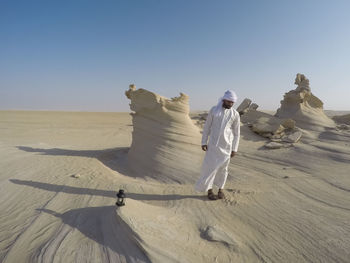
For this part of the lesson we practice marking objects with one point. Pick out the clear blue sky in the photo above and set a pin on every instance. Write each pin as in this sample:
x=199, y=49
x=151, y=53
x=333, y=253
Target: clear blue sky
x=82, y=55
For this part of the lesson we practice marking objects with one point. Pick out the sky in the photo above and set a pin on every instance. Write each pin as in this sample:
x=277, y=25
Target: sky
x=82, y=55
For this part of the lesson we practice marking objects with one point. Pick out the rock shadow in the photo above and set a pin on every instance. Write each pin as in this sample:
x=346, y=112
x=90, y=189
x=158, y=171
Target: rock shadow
x=114, y=158
x=104, y=226
x=106, y=193
x=334, y=135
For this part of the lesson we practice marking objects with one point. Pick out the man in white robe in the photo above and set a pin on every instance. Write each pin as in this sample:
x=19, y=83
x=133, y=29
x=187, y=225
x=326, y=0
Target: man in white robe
x=223, y=129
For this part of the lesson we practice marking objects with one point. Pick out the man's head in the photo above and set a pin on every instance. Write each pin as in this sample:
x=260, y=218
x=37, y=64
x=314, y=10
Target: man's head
x=229, y=99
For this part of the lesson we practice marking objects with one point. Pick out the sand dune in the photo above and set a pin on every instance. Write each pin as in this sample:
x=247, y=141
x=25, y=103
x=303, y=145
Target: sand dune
x=286, y=205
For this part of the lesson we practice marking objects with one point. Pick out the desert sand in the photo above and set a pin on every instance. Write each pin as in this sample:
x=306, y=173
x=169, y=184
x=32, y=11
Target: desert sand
x=60, y=172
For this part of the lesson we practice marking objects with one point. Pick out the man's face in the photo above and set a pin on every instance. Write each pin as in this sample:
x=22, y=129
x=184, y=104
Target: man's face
x=227, y=104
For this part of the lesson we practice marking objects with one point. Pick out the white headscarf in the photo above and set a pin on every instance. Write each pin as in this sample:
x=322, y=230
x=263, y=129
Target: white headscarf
x=229, y=95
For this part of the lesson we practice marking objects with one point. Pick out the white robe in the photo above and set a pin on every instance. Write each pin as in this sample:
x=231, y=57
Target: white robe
x=223, y=130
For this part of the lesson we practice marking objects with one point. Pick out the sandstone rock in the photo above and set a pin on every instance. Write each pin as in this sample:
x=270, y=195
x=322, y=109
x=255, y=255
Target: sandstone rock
x=302, y=82
x=165, y=141
x=264, y=125
x=253, y=106
x=277, y=145
x=75, y=175
x=276, y=136
x=303, y=107
x=289, y=124
x=276, y=140
x=342, y=119
x=244, y=106
x=251, y=116
x=216, y=234
x=293, y=137
x=274, y=145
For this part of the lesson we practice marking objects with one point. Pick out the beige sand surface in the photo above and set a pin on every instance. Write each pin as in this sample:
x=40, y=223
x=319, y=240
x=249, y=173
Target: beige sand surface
x=285, y=205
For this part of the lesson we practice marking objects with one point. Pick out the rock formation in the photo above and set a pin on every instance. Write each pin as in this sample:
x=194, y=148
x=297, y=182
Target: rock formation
x=303, y=107
x=342, y=119
x=165, y=141
x=299, y=109
x=246, y=106
x=282, y=132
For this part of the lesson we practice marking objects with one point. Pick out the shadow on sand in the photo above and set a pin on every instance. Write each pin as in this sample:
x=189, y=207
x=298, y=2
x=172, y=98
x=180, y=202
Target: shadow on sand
x=106, y=193
x=104, y=226
x=101, y=224
x=114, y=158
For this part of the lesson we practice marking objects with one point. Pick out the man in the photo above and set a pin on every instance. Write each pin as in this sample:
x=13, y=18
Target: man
x=223, y=129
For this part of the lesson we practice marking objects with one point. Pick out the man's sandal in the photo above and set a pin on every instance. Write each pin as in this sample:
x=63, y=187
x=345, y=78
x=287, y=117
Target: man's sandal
x=212, y=196
x=221, y=195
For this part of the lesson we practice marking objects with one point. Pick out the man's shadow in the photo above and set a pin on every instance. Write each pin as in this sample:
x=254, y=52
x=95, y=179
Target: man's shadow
x=114, y=158
x=104, y=226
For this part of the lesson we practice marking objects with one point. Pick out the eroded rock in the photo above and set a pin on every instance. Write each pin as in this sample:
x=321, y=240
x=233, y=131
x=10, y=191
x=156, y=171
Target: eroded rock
x=288, y=124
x=342, y=119
x=293, y=137
x=303, y=107
x=264, y=125
x=165, y=141
x=216, y=234
x=253, y=106
x=244, y=106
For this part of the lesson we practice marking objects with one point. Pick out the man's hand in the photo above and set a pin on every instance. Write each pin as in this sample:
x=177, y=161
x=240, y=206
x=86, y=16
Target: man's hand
x=233, y=154
x=205, y=147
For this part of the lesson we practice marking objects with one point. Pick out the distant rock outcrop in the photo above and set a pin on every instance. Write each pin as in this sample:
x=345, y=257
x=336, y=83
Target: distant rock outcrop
x=299, y=109
x=281, y=133
x=246, y=105
x=165, y=142
x=342, y=119
x=303, y=107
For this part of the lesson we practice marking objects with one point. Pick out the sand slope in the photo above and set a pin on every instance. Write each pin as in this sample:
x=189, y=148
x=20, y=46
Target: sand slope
x=286, y=205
